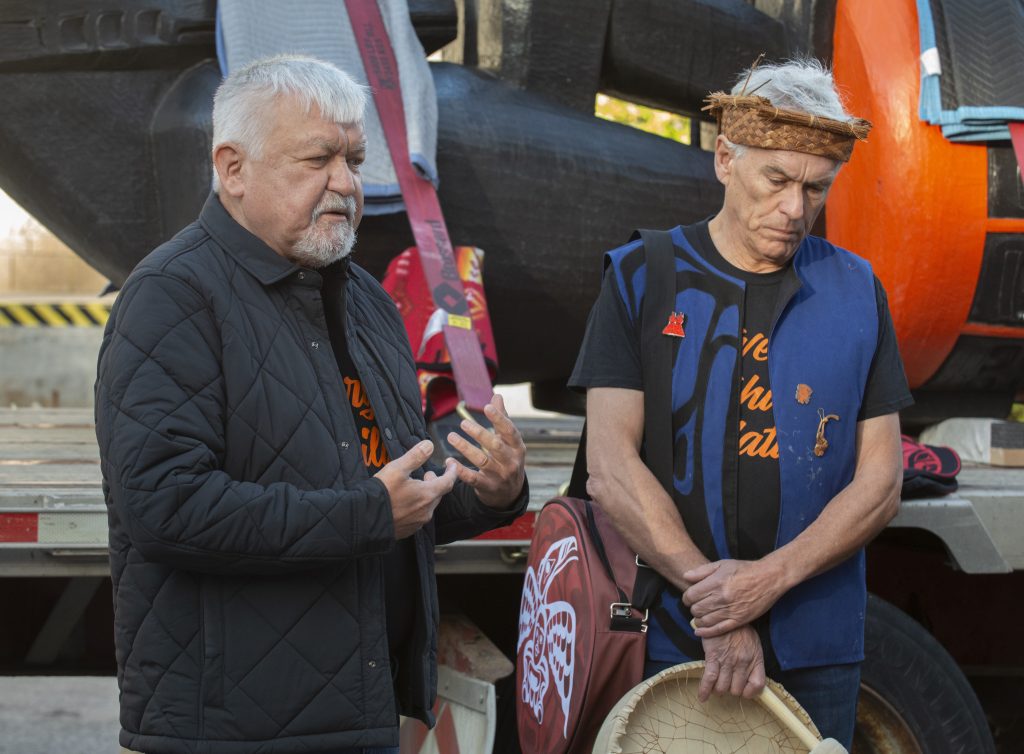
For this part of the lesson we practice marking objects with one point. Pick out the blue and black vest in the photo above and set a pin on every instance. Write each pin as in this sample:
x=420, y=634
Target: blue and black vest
x=824, y=336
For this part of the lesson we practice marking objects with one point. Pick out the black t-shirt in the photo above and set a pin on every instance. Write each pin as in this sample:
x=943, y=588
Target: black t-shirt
x=610, y=357
x=751, y=526
x=400, y=563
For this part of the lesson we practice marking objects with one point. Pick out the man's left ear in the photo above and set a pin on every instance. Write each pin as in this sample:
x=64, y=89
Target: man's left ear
x=724, y=160
x=227, y=161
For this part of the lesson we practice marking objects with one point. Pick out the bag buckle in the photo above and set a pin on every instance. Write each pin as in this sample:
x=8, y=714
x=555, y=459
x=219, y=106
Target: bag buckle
x=621, y=615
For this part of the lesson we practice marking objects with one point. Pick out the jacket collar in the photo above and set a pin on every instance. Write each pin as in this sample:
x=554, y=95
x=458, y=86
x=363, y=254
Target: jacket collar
x=262, y=262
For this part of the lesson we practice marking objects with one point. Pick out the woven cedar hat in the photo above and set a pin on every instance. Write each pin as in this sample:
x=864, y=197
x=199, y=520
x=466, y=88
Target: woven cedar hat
x=754, y=121
x=663, y=714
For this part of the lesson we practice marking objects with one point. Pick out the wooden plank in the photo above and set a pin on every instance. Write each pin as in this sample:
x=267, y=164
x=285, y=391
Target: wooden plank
x=51, y=498
x=990, y=477
x=51, y=475
x=46, y=450
x=13, y=454
x=546, y=483
x=52, y=416
x=14, y=435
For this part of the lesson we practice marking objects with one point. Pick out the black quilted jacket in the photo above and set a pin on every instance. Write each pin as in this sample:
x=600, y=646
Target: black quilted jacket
x=245, y=533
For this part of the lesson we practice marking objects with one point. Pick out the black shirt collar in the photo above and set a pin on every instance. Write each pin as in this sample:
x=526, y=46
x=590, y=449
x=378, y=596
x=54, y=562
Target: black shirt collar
x=701, y=239
x=262, y=262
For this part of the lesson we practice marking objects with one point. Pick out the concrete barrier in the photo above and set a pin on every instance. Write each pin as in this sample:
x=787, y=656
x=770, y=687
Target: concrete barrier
x=48, y=366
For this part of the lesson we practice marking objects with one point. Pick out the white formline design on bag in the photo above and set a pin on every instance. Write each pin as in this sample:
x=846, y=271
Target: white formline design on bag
x=547, y=633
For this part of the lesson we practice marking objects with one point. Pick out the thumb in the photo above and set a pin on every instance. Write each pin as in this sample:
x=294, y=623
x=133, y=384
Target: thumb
x=442, y=485
x=414, y=457
x=451, y=473
x=700, y=572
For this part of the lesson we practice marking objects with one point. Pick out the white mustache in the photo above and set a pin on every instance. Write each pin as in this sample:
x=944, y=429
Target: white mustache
x=336, y=203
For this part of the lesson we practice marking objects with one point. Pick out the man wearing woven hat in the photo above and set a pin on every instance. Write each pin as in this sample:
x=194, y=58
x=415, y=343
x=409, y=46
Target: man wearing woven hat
x=785, y=387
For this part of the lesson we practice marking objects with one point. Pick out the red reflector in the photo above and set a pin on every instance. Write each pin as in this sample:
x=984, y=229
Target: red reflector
x=19, y=527
x=521, y=528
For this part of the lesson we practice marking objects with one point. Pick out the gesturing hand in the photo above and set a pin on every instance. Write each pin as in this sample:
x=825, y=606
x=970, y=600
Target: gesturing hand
x=733, y=664
x=727, y=594
x=500, y=458
x=413, y=501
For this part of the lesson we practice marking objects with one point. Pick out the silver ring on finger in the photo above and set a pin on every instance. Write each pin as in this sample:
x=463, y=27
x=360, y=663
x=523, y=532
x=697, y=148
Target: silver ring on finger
x=487, y=460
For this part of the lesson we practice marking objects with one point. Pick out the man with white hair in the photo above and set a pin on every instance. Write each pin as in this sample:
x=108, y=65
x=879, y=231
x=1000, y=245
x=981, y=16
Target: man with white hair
x=785, y=386
x=273, y=512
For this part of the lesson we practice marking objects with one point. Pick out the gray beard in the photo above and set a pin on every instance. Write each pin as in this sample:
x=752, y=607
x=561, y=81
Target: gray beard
x=319, y=248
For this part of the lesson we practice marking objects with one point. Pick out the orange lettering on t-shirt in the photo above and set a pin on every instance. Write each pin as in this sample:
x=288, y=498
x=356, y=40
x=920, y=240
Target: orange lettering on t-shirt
x=748, y=443
x=756, y=397
x=757, y=346
x=375, y=453
x=758, y=444
x=354, y=391
x=769, y=445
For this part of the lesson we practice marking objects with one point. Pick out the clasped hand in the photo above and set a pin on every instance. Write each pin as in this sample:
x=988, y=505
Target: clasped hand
x=725, y=597
x=733, y=664
x=728, y=594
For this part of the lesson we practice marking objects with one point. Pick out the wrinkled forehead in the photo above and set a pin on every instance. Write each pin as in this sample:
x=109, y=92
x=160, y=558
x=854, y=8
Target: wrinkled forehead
x=807, y=167
x=292, y=125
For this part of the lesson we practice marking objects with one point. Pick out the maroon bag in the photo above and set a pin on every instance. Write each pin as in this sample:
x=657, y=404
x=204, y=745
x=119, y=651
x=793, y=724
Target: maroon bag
x=581, y=645
x=582, y=618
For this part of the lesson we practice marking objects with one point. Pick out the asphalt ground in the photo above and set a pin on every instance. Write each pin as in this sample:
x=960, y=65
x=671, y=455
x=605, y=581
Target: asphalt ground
x=58, y=715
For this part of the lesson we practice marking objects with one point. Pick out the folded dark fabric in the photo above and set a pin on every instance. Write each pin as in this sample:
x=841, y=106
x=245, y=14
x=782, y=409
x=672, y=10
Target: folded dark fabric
x=928, y=470
x=967, y=85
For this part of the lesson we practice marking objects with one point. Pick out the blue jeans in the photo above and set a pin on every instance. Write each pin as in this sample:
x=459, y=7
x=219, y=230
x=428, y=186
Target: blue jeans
x=828, y=694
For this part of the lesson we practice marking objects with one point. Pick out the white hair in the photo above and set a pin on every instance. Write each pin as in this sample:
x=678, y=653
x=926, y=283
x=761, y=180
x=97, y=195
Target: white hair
x=239, y=106
x=803, y=84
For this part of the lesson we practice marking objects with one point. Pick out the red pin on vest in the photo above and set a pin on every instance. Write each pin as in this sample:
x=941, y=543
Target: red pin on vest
x=675, y=325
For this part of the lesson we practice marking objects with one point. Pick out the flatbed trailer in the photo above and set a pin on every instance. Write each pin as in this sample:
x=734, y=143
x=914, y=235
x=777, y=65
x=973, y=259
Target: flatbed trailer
x=53, y=520
x=941, y=559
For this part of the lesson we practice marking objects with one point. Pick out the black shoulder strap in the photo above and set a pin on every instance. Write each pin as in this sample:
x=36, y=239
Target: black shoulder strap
x=656, y=352
x=578, y=481
x=619, y=620
x=656, y=362
x=656, y=359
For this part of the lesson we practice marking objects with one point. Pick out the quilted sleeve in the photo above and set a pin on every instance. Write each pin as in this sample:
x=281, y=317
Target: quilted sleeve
x=159, y=422
x=460, y=515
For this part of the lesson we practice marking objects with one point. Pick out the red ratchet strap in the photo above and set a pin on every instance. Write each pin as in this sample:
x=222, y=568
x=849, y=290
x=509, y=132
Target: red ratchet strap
x=422, y=207
x=1017, y=137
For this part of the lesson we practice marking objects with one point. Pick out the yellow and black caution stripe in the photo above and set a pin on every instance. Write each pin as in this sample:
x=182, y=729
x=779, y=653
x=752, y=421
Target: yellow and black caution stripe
x=93, y=314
